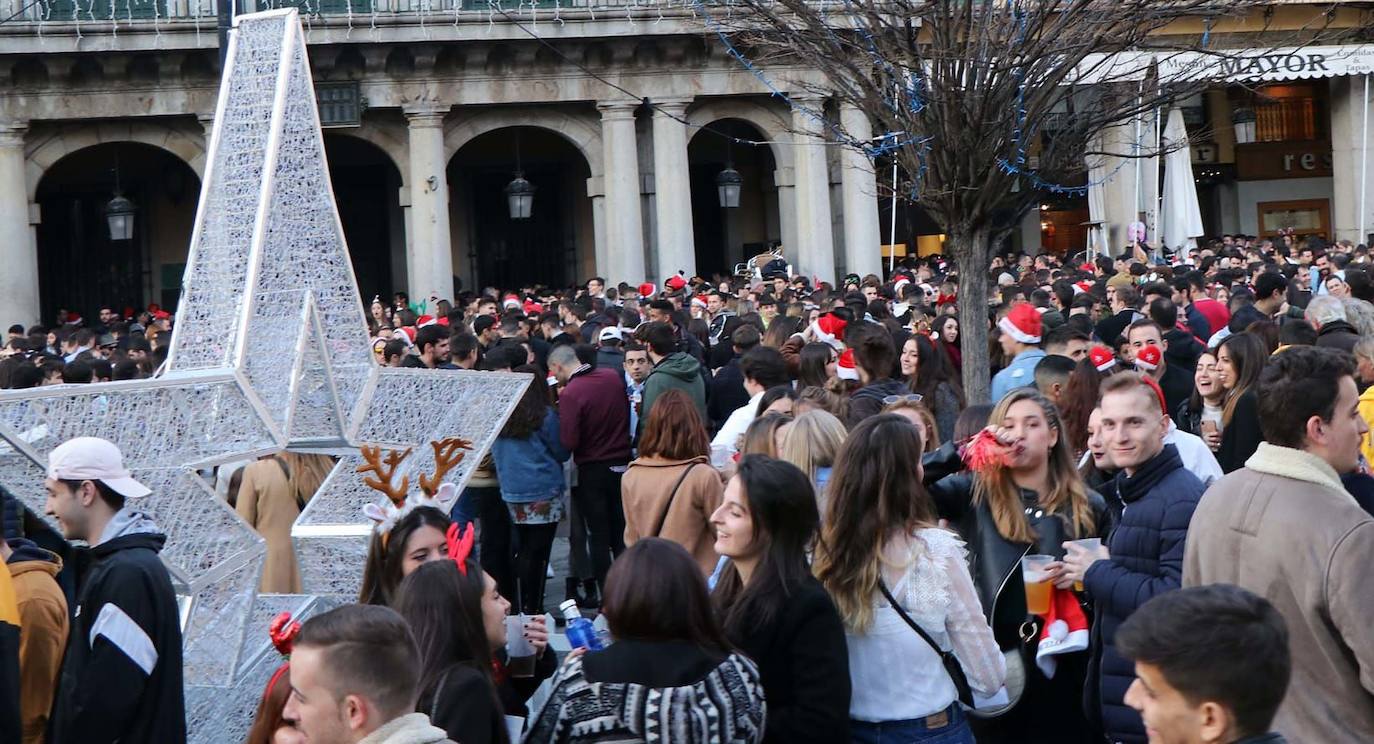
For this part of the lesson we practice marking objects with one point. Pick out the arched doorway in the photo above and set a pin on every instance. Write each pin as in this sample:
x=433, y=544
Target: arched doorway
x=367, y=191
x=555, y=245
x=79, y=267
x=725, y=237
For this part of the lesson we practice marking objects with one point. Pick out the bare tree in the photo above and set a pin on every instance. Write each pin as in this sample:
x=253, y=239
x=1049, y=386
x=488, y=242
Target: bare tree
x=987, y=105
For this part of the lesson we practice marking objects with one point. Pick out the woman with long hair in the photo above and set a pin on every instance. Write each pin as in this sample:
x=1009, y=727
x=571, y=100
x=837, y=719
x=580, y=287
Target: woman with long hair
x=1029, y=500
x=269, y=727
x=913, y=409
x=417, y=538
x=771, y=607
x=929, y=375
x=945, y=333
x=671, y=669
x=880, y=545
x=459, y=619
x=1201, y=414
x=272, y=493
x=1240, y=360
x=671, y=490
x=761, y=438
x=1080, y=395
x=817, y=365
x=529, y=459
x=822, y=399
x=812, y=443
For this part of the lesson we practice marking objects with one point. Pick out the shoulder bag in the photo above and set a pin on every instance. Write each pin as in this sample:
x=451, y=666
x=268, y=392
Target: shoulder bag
x=953, y=668
x=671, y=495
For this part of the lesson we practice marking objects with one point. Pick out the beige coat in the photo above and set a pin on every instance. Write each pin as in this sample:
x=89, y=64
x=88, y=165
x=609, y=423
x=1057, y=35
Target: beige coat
x=267, y=504
x=645, y=491
x=1284, y=528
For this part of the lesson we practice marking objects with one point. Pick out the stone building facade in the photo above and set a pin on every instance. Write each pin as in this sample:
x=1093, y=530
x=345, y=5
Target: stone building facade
x=439, y=109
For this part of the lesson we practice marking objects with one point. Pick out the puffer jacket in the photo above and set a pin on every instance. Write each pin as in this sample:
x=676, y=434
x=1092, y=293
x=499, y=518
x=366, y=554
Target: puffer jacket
x=868, y=400
x=1146, y=550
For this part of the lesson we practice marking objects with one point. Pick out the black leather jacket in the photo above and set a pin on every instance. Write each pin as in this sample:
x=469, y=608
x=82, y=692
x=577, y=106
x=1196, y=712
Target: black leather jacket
x=994, y=561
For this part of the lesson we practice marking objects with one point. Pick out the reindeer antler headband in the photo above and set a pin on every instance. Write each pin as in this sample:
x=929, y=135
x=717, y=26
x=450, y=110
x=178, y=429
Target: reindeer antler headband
x=448, y=453
x=283, y=632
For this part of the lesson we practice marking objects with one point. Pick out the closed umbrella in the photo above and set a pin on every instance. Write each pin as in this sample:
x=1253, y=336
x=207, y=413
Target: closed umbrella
x=1182, y=217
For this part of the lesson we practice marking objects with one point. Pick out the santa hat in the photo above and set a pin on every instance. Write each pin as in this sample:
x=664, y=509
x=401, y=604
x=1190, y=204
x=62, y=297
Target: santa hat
x=1089, y=268
x=1147, y=359
x=845, y=368
x=902, y=281
x=533, y=308
x=675, y=282
x=828, y=329
x=1102, y=358
x=407, y=334
x=1083, y=286
x=424, y=320
x=1065, y=631
x=159, y=315
x=647, y=289
x=510, y=302
x=699, y=301
x=1022, y=323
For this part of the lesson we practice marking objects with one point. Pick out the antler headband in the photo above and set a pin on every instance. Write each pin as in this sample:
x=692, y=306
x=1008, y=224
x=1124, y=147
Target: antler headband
x=460, y=545
x=382, y=472
x=283, y=632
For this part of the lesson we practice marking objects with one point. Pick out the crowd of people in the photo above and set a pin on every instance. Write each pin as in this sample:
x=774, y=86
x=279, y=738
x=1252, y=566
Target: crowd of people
x=794, y=523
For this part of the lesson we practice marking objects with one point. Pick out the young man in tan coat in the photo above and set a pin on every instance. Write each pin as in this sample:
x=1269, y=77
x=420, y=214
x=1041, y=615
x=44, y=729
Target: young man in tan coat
x=1284, y=528
x=43, y=630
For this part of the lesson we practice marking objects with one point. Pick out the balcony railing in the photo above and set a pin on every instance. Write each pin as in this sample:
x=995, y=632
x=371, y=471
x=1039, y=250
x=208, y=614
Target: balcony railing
x=95, y=11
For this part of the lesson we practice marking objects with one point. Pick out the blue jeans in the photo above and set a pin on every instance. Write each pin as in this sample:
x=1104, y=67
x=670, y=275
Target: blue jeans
x=955, y=731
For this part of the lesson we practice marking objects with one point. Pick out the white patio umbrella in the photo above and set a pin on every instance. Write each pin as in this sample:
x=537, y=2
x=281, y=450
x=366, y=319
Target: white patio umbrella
x=1182, y=219
x=1097, y=201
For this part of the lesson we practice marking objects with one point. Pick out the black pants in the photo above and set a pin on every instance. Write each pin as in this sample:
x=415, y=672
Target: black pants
x=534, y=543
x=494, y=531
x=597, y=496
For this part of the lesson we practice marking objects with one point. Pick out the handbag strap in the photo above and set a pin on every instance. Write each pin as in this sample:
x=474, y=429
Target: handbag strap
x=882, y=585
x=673, y=494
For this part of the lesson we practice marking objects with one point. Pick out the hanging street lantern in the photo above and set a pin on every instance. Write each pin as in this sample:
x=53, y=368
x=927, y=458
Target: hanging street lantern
x=119, y=213
x=520, y=197
x=728, y=184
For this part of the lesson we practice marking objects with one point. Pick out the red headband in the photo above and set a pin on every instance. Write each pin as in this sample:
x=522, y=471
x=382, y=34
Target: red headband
x=283, y=632
x=460, y=545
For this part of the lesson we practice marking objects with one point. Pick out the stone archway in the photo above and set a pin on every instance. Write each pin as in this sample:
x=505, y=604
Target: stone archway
x=556, y=244
x=80, y=266
x=767, y=120
x=367, y=185
x=581, y=131
x=726, y=237
x=183, y=139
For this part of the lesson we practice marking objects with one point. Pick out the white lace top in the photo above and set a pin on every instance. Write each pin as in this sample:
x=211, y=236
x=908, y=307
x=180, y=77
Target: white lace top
x=894, y=673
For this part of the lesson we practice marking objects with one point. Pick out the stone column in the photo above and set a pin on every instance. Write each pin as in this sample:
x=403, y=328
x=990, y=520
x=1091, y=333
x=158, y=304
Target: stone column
x=18, y=243
x=673, y=189
x=429, y=252
x=815, y=254
x=596, y=191
x=859, y=190
x=1350, y=145
x=624, y=221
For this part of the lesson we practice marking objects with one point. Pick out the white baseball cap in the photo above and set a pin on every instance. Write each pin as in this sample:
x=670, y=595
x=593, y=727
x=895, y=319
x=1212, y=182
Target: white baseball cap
x=92, y=458
x=610, y=332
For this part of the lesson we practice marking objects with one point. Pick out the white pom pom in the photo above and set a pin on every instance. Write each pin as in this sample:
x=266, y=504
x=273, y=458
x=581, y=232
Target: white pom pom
x=1059, y=630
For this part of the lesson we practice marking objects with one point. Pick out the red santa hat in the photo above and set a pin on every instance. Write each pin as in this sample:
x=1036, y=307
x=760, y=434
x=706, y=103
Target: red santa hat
x=647, y=289
x=1083, y=286
x=408, y=334
x=1022, y=323
x=533, y=308
x=424, y=320
x=675, y=282
x=1148, y=358
x=1088, y=267
x=845, y=368
x=902, y=281
x=1065, y=631
x=510, y=301
x=828, y=329
x=699, y=301
x=1102, y=358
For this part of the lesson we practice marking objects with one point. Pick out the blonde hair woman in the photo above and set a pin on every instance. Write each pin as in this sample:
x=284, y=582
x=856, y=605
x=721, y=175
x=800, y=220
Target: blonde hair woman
x=271, y=495
x=1029, y=499
x=812, y=443
x=913, y=408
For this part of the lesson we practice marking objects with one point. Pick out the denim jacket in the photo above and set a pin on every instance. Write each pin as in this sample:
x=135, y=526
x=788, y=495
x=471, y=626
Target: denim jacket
x=531, y=469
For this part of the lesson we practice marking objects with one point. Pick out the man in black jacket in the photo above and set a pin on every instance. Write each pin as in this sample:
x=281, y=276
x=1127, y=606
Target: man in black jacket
x=121, y=680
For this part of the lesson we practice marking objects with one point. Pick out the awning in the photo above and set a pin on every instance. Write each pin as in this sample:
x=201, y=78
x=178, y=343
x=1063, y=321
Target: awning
x=1284, y=63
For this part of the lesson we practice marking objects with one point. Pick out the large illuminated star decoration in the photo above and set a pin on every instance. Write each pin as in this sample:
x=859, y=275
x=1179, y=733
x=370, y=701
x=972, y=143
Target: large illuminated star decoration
x=270, y=352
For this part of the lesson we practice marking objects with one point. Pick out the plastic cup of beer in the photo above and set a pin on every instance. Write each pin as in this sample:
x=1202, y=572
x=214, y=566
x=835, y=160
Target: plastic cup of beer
x=519, y=650
x=1035, y=572
x=1090, y=545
